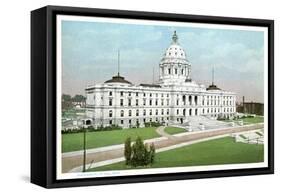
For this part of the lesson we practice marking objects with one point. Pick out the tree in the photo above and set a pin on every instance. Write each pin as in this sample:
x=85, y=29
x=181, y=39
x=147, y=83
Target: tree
x=128, y=150
x=139, y=154
x=66, y=97
x=66, y=101
x=152, y=153
x=78, y=98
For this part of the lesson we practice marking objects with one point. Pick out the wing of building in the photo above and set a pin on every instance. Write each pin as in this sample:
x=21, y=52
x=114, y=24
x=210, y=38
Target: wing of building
x=176, y=98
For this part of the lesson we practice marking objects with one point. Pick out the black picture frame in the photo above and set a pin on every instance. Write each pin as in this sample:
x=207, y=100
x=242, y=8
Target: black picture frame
x=43, y=95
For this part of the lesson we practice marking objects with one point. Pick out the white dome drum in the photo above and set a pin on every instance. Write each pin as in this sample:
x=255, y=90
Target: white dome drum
x=174, y=66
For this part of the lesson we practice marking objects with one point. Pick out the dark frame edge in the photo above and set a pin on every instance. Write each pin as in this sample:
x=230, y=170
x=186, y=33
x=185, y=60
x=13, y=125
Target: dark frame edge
x=38, y=170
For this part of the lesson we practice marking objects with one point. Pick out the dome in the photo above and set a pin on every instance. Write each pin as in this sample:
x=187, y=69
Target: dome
x=118, y=79
x=175, y=50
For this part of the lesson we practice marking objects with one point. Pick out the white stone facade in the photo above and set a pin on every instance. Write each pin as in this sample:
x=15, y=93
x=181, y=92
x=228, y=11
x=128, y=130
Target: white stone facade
x=173, y=100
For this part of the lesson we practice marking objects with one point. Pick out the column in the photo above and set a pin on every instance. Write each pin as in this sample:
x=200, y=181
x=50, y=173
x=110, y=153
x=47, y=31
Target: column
x=192, y=100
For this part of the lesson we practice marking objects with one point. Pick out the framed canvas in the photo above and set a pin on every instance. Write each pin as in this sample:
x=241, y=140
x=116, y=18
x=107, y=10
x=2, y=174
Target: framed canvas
x=126, y=96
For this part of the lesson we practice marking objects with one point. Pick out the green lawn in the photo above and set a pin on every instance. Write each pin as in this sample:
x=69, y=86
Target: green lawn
x=250, y=120
x=257, y=119
x=74, y=141
x=219, y=151
x=174, y=130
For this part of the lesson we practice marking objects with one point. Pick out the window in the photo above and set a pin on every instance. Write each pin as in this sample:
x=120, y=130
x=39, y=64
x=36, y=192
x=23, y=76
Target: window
x=129, y=102
x=110, y=102
x=162, y=112
x=110, y=113
x=150, y=112
x=110, y=122
x=121, y=93
x=122, y=122
x=137, y=94
x=156, y=102
x=144, y=102
x=162, y=102
x=110, y=93
x=178, y=111
x=143, y=94
x=130, y=113
x=150, y=95
x=137, y=112
x=167, y=111
x=167, y=102
x=177, y=102
x=169, y=71
x=122, y=113
x=144, y=112
x=137, y=102
x=121, y=102
x=182, y=70
x=156, y=112
x=150, y=102
x=176, y=71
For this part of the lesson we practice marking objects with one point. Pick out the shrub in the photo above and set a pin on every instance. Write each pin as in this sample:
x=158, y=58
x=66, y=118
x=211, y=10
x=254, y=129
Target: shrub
x=128, y=150
x=152, y=153
x=153, y=124
x=138, y=154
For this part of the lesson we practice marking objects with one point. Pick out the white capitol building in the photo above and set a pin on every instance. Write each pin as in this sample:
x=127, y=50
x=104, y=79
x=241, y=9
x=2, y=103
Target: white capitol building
x=175, y=99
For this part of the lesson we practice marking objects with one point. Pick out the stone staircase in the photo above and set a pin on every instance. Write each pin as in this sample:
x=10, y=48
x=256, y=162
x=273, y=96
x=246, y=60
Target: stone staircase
x=195, y=123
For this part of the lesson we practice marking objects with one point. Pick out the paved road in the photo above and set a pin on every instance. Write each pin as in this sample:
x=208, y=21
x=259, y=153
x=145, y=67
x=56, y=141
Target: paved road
x=71, y=162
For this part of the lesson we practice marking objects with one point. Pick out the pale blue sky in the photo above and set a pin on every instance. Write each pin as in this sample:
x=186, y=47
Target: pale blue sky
x=89, y=55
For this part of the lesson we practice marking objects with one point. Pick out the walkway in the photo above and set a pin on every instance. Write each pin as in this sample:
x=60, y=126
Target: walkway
x=73, y=162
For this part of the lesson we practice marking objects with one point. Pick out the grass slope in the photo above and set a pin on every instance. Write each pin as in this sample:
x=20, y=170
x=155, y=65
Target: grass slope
x=74, y=141
x=174, y=130
x=257, y=119
x=219, y=151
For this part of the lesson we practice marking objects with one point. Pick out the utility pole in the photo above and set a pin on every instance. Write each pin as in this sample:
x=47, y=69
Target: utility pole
x=213, y=75
x=84, y=147
x=118, y=63
x=153, y=76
